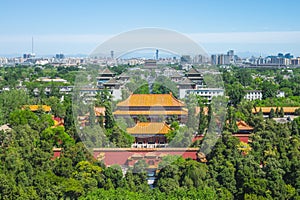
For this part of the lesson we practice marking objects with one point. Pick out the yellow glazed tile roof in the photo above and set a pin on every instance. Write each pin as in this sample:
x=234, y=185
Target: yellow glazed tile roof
x=150, y=112
x=36, y=107
x=149, y=128
x=243, y=125
x=149, y=100
x=268, y=109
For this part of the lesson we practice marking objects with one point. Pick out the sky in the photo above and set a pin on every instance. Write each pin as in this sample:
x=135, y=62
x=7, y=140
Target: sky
x=78, y=27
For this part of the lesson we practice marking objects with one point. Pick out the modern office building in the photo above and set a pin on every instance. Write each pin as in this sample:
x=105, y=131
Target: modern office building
x=194, y=84
x=257, y=95
x=206, y=93
x=214, y=59
x=59, y=56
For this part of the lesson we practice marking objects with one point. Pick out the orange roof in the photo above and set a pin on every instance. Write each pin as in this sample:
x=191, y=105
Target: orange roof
x=37, y=107
x=151, y=112
x=268, y=109
x=149, y=100
x=243, y=126
x=149, y=128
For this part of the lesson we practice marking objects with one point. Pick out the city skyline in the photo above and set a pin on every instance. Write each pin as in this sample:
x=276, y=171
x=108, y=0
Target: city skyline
x=266, y=27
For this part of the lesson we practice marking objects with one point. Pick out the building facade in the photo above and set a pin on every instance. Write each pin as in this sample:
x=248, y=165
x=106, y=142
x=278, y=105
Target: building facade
x=149, y=134
x=252, y=95
x=194, y=84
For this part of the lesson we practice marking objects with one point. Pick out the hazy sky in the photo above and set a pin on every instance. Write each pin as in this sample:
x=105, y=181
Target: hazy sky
x=262, y=26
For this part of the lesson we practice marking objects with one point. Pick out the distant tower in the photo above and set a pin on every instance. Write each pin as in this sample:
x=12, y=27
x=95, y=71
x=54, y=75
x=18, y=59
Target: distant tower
x=32, y=45
x=32, y=48
x=112, y=54
x=156, y=54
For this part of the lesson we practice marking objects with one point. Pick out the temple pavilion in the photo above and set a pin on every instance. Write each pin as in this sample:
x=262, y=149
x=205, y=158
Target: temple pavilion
x=149, y=134
x=153, y=107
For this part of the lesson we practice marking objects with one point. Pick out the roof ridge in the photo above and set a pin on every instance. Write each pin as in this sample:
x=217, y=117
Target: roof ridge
x=151, y=100
x=112, y=80
x=176, y=74
x=149, y=127
x=124, y=74
x=186, y=81
x=105, y=71
x=192, y=70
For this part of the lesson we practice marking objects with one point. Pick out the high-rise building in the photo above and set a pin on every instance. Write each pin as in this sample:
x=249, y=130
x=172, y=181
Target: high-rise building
x=261, y=61
x=214, y=59
x=295, y=61
x=223, y=59
x=198, y=59
x=112, y=55
x=185, y=59
x=288, y=56
x=230, y=53
x=280, y=55
x=26, y=55
x=59, y=56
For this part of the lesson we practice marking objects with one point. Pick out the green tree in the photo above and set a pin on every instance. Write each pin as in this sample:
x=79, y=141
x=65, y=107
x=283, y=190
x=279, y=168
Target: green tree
x=244, y=77
x=236, y=93
x=120, y=138
x=295, y=128
x=272, y=114
x=140, y=167
x=202, y=121
x=57, y=108
x=297, y=112
x=269, y=90
x=277, y=112
x=92, y=117
x=63, y=167
x=57, y=136
x=281, y=112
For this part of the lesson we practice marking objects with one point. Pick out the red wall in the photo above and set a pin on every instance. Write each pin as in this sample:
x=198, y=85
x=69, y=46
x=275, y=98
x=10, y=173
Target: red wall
x=120, y=157
x=244, y=138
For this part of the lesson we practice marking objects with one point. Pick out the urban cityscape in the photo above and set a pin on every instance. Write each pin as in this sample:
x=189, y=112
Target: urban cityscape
x=228, y=58
x=149, y=100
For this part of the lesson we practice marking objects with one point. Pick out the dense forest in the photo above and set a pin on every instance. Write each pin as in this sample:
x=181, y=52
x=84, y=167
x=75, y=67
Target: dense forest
x=268, y=167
